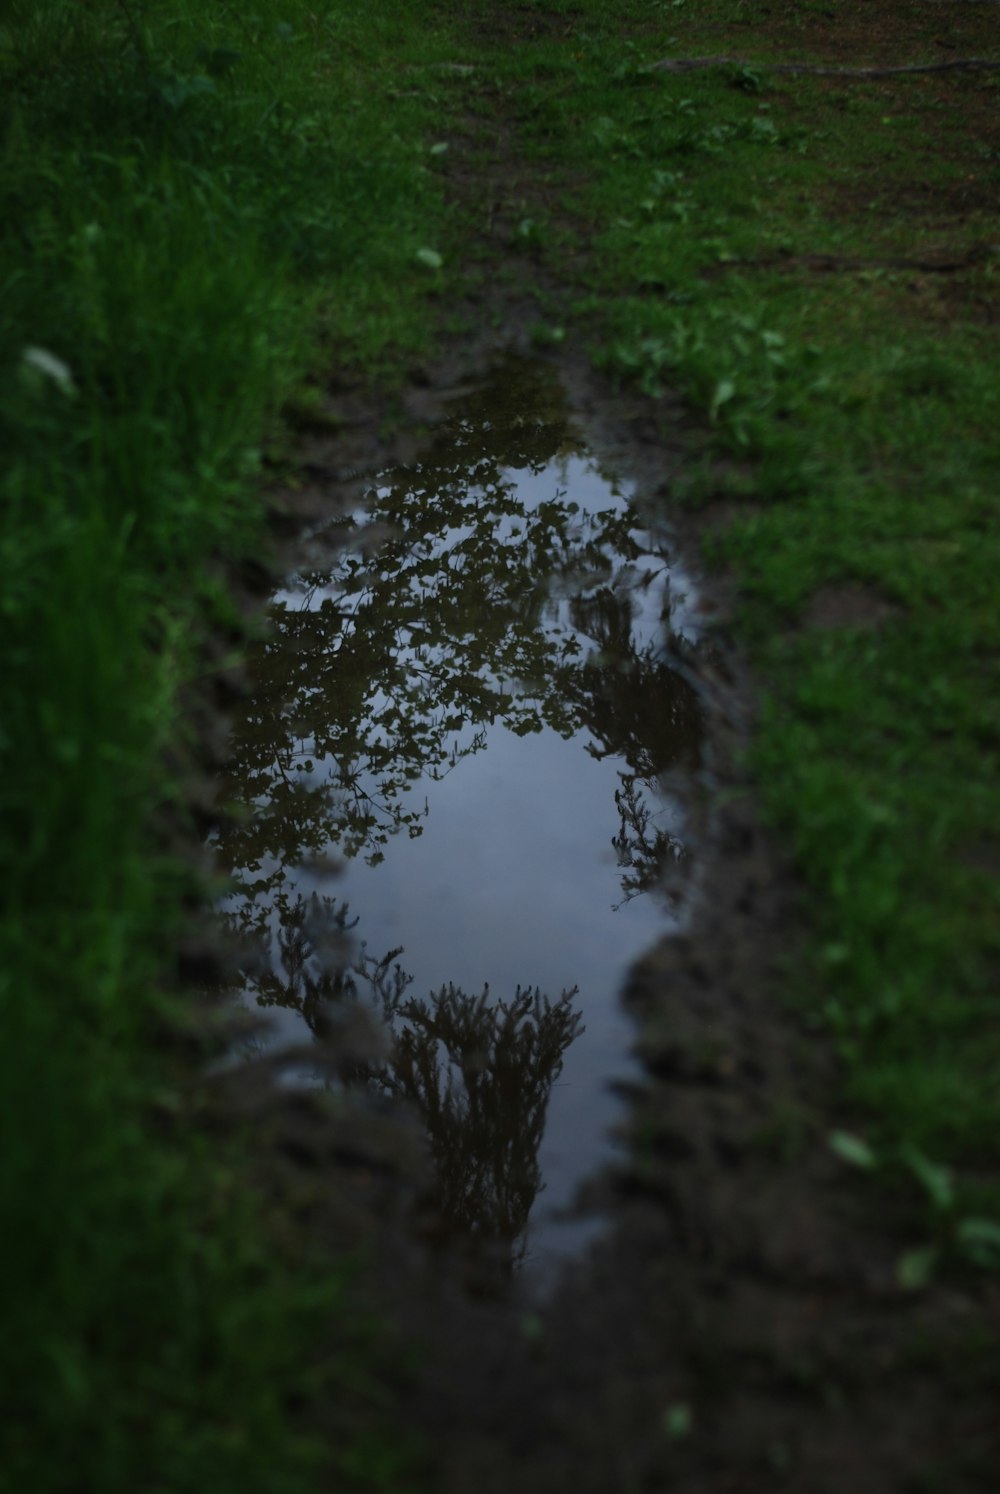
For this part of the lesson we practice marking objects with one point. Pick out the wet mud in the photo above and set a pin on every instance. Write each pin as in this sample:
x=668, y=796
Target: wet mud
x=448, y=811
x=736, y=1322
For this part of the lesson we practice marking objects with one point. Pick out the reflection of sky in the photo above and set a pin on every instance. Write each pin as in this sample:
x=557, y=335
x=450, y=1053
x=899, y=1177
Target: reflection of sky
x=514, y=879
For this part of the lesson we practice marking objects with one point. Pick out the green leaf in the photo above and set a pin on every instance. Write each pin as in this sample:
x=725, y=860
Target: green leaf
x=678, y=1420
x=916, y=1267
x=979, y=1241
x=852, y=1150
x=935, y=1178
x=724, y=391
x=40, y=364
x=431, y=258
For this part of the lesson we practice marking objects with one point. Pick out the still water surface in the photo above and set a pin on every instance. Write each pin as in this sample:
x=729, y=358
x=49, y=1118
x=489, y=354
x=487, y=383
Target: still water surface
x=471, y=711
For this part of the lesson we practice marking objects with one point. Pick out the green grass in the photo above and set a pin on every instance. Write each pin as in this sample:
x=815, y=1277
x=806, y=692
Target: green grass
x=195, y=211
x=856, y=414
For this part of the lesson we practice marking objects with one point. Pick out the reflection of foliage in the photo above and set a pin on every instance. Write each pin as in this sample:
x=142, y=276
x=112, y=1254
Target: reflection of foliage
x=479, y=1072
x=642, y=849
x=315, y=966
x=476, y=608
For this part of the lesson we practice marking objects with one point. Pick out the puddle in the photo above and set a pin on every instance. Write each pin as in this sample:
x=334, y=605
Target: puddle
x=451, y=761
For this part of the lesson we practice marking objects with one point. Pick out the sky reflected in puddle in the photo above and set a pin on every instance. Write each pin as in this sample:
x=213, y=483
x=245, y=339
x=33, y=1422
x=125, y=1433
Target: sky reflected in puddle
x=472, y=716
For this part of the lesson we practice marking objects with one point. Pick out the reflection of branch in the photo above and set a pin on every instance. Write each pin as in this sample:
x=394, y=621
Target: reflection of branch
x=281, y=768
x=457, y=755
x=640, y=852
x=363, y=820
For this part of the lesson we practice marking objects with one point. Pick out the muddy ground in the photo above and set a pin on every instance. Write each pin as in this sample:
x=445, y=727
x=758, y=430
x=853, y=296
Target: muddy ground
x=739, y=1325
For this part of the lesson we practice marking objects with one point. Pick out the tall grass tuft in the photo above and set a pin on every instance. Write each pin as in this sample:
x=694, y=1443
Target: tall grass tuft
x=186, y=193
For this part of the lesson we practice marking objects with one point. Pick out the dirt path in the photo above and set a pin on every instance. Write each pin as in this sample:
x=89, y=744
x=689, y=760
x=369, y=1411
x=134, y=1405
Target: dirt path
x=740, y=1325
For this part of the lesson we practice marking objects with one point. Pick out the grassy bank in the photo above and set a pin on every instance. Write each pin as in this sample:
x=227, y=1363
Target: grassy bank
x=811, y=261
x=196, y=208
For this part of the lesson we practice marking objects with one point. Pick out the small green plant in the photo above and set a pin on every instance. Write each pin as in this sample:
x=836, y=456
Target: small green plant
x=678, y=1421
x=955, y=1235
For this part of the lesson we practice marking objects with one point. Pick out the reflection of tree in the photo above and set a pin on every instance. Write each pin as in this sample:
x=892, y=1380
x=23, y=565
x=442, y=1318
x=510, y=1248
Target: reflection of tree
x=476, y=608
x=478, y=1071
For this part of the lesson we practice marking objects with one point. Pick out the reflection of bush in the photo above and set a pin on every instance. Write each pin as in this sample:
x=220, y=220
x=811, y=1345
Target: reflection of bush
x=478, y=1071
